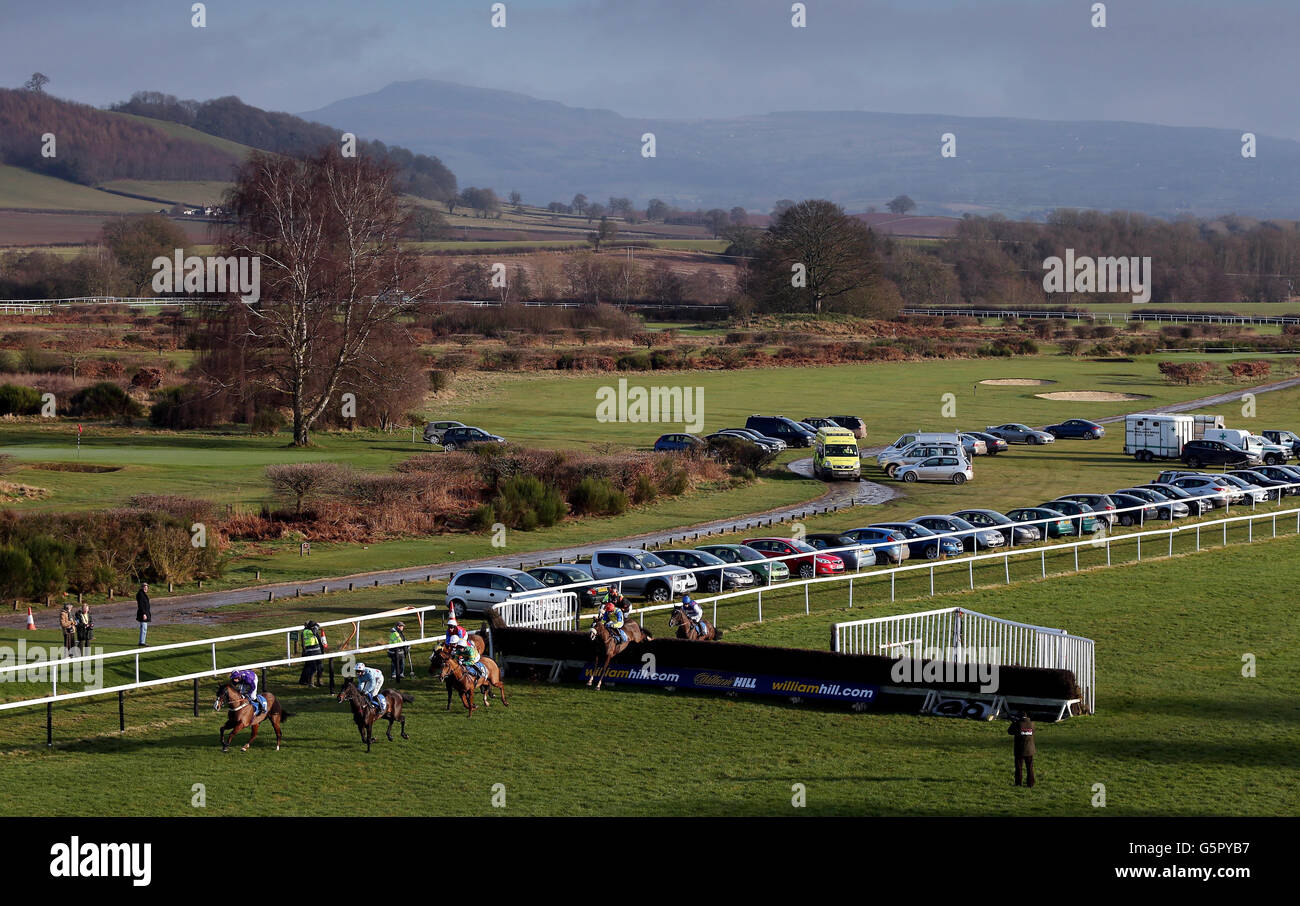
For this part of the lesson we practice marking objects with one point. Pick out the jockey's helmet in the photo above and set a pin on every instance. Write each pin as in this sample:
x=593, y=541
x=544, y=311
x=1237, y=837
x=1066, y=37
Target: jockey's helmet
x=609, y=606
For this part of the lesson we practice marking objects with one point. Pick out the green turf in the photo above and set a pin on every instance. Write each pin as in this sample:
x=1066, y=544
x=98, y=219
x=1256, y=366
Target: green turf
x=1179, y=730
x=24, y=189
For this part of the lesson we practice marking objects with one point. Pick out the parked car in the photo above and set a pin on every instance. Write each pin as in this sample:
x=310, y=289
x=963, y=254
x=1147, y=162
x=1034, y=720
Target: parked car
x=1125, y=503
x=677, y=443
x=1251, y=490
x=460, y=438
x=891, y=460
x=639, y=573
x=1210, y=487
x=781, y=428
x=972, y=537
x=1077, y=427
x=726, y=576
x=479, y=590
x=923, y=542
x=973, y=446
x=1167, y=505
x=1197, y=453
x=433, y=431
x=765, y=571
x=888, y=545
x=992, y=443
x=556, y=574
x=1101, y=503
x=812, y=563
x=908, y=441
x=938, y=468
x=775, y=443
x=1288, y=474
x=853, y=423
x=1016, y=433
x=1085, y=519
x=835, y=455
x=1275, y=488
x=819, y=423
x=856, y=556
x=1057, y=526
x=991, y=519
x=1196, y=505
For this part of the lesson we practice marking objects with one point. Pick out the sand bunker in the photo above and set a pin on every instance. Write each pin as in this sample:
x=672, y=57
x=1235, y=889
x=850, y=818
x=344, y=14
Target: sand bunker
x=1016, y=382
x=1091, y=396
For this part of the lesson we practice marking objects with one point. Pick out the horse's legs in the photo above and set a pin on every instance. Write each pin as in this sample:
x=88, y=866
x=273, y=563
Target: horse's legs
x=449, y=696
x=404, y=736
x=256, y=724
x=501, y=690
x=275, y=725
x=390, y=728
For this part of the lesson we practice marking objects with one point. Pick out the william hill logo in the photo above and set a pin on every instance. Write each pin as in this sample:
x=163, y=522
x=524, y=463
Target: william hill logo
x=716, y=680
x=75, y=859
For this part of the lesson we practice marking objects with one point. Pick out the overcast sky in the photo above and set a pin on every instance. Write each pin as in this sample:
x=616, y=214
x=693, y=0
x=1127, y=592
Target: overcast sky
x=1230, y=64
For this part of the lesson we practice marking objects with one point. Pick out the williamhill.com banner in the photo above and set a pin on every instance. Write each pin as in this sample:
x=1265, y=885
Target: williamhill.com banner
x=752, y=684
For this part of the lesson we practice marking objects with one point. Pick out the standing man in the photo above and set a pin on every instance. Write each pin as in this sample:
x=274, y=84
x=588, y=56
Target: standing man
x=397, y=656
x=142, y=612
x=1022, y=731
x=313, y=645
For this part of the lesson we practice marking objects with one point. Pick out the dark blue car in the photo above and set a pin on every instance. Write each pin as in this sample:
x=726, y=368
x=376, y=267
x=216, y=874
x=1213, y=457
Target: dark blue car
x=1077, y=427
x=676, y=443
x=923, y=542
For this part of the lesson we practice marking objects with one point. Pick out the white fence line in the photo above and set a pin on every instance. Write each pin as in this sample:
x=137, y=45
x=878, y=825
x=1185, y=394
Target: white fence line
x=957, y=631
x=557, y=611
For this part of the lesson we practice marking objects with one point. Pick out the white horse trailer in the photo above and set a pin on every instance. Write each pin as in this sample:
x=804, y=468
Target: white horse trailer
x=1148, y=436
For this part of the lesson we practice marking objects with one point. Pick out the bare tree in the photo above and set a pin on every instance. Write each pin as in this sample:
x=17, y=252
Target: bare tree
x=301, y=480
x=327, y=231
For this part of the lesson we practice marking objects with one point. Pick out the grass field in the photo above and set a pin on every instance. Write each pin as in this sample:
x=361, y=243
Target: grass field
x=196, y=192
x=1179, y=730
x=24, y=189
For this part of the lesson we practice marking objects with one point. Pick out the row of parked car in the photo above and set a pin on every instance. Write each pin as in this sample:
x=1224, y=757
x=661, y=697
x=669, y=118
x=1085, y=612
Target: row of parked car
x=662, y=575
x=774, y=433
x=457, y=435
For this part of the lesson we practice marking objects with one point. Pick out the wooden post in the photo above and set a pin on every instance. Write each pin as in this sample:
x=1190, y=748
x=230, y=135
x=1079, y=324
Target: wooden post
x=49, y=724
x=196, y=696
x=121, y=711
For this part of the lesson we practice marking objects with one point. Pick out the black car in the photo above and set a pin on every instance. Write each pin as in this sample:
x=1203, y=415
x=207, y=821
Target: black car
x=1124, y=503
x=1274, y=486
x=857, y=557
x=1012, y=532
x=1197, y=453
x=993, y=444
x=1287, y=474
x=461, y=438
x=781, y=428
x=1198, y=505
x=559, y=574
x=1167, y=506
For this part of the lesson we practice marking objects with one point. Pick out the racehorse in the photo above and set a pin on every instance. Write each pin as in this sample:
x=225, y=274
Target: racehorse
x=435, y=669
x=474, y=639
x=453, y=672
x=686, y=629
x=606, y=645
x=365, y=714
x=241, y=715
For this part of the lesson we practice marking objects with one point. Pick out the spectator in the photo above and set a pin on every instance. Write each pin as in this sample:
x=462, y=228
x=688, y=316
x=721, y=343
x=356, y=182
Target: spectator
x=68, y=623
x=1022, y=730
x=85, y=627
x=142, y=612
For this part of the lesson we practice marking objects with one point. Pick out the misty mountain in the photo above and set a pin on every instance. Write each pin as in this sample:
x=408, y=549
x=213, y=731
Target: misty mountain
x=1021, y=168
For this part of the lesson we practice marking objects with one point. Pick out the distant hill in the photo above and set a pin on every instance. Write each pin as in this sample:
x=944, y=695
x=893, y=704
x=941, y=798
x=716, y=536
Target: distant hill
x=231, y=119
x=1020, y=168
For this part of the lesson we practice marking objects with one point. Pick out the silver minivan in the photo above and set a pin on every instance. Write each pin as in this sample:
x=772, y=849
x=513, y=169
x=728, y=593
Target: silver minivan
x=480, y=589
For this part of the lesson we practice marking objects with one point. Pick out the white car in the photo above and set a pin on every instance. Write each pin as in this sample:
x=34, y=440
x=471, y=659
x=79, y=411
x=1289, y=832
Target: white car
x=938, y=468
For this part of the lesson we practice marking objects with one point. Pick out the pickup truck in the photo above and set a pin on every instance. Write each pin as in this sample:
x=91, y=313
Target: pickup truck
x=639, y=573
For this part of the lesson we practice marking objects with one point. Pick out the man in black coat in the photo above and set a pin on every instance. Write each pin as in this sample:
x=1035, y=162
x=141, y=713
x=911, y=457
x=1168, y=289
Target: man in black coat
x=1022, y=731
x=143, y=616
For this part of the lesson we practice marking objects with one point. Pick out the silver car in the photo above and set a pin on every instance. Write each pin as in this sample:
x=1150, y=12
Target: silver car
x=1016, y=433
x=479, y=590
x=938, y=468
x=433, y=431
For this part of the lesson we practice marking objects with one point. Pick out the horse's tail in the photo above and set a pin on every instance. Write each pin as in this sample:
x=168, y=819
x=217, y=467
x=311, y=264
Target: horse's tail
x=406, y=696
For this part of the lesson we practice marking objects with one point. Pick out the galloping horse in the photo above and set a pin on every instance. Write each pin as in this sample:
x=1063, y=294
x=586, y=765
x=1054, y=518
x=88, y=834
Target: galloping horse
x=365, y=715
x=435, y=669
x=241, y=715
x=686, y=629
x=610, y=648
x=455, y=674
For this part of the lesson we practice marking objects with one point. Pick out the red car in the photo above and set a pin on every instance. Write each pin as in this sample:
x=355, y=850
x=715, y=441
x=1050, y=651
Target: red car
x=812, y=563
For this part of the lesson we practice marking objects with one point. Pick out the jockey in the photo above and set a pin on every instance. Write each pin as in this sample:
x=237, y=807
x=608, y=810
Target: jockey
x=369, y=681
x=469, y=657
x=245, y=682
x=612, y=617
x=695, y=613
x=456, y=634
